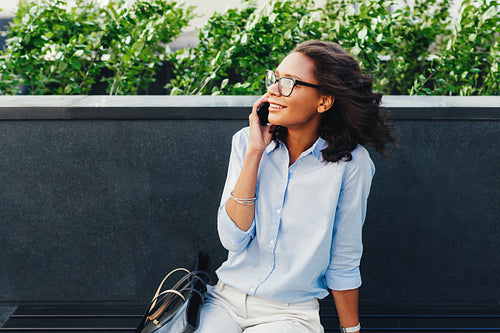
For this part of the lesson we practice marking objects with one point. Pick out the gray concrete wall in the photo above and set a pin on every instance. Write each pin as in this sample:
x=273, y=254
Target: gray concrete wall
x=101, y=196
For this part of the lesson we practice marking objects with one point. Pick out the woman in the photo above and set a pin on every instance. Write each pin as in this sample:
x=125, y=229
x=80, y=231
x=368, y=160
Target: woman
x=295, y=198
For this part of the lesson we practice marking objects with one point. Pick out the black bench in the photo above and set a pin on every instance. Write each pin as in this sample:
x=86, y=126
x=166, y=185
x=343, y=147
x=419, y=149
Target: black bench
x=124, y=318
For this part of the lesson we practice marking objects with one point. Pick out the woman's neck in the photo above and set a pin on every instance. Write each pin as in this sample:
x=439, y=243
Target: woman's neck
x=298, y=142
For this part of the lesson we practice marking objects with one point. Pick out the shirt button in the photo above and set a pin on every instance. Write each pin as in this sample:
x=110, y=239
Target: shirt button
x=278, y=211
x=272, y=242
x=252, y=290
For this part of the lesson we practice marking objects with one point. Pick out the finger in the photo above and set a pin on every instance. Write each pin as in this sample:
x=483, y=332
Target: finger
x=253, y=117
x=255, y=126
x=259, y=102
x=267, y=132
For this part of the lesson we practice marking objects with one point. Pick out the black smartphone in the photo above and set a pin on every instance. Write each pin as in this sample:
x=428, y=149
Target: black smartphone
x=263, y=112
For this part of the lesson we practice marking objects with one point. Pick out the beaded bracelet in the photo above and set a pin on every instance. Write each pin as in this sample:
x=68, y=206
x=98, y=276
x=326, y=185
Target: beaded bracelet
x=246, y=202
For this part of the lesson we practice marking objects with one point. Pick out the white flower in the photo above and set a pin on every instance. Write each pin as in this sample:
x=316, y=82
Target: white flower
x=102, y=3
x=78, y=53
x=50, y=52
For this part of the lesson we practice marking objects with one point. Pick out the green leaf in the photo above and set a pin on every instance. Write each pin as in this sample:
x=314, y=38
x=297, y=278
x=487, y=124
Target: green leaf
x=75, y=63
x=138, y=46
x=78, y=53
x=224, y=83
x=355, y=50
x=362, y=34
x=175, y=91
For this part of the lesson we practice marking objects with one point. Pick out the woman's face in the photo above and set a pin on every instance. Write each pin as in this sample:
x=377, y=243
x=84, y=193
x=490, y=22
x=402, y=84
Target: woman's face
x=302, y=109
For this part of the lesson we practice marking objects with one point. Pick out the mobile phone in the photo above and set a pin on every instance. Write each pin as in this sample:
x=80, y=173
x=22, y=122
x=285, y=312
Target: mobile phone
x=263, y=112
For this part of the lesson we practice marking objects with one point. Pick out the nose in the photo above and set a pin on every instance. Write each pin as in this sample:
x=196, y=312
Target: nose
x=274, y=89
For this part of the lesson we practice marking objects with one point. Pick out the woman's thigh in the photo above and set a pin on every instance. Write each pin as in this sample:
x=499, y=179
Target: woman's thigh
x=268, y=316
x=216, y=315
x=280, y=327
x=215, y=319
x=228, y=310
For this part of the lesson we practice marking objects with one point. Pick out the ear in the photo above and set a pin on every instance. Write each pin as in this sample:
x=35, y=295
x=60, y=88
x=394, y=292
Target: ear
x=325, y=104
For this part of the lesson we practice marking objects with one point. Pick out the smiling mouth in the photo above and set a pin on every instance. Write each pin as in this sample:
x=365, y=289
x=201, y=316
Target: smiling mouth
x=276, y=106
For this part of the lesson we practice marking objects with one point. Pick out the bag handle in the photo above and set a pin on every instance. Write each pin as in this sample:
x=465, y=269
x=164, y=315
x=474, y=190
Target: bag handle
x=197, y=284
x=176, y=287
x=162, y=308
x=155, y=297
x=159, y=311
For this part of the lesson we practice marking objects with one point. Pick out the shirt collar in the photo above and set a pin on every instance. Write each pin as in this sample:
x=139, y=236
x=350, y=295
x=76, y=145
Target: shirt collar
x=272, y=145
x=316, y=148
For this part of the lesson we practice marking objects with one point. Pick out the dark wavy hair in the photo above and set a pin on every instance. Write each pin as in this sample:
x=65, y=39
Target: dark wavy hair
x=356, y=115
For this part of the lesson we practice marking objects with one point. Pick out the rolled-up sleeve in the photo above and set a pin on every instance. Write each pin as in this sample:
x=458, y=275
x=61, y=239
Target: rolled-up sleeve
x=347, y=247
x=233, y=238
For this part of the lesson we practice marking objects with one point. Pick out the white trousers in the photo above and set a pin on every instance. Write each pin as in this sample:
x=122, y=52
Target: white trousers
x=228, y=310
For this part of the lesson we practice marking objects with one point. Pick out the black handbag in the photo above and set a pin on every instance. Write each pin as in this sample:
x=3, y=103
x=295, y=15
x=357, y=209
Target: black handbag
x=177, y=309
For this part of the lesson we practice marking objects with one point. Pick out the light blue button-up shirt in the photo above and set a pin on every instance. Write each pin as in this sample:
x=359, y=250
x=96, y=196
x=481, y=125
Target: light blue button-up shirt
x=306, y=234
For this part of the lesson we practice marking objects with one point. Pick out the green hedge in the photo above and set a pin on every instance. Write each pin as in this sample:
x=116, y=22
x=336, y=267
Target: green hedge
x=54, y=48
x=414, y=49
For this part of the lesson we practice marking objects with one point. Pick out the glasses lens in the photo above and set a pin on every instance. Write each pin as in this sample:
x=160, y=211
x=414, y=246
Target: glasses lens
x=270, y=79
x=286, y=86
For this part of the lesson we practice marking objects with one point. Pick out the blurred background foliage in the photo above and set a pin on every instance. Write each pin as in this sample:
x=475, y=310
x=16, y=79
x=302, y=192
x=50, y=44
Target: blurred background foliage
x=55, y=48
x=417, y=48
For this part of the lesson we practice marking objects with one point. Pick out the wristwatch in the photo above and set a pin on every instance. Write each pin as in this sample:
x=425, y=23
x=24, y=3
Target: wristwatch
x=350, y=329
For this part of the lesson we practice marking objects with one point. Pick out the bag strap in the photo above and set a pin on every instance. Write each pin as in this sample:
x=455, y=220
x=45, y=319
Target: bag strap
x=199, y=275
x=200, y=272
x=195, y=275
x=198, y=292
x=181, y=285
x=174, y=292
x=159, y=311
x=155, y=310
x=155, y=297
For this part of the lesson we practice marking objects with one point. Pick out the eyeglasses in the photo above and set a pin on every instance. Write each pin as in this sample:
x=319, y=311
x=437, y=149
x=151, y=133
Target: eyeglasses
x=285, y=84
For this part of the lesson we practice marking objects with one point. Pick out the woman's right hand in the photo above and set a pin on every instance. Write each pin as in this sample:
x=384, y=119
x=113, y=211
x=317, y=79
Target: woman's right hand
x=260, y=135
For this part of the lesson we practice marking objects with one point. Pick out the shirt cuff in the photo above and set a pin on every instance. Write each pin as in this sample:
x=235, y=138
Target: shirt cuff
x=233, y=238
x=343, y=280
